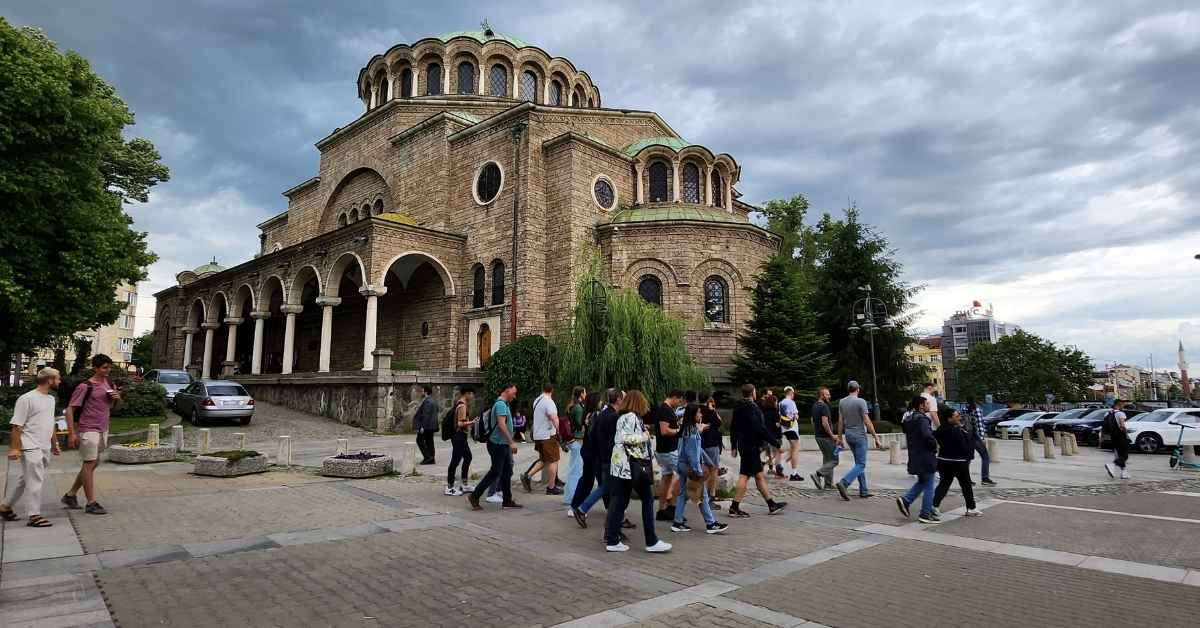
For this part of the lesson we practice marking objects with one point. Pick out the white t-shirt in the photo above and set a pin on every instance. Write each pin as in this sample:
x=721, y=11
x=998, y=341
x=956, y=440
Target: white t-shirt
x=543, y=427
x=1120, y=419
x=788, y=410
x=34, y=412
x=931, y=405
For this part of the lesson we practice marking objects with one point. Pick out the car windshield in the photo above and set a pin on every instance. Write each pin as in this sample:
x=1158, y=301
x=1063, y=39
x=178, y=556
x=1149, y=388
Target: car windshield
x=226, y=390
x=173, y=378
x=1157, y=416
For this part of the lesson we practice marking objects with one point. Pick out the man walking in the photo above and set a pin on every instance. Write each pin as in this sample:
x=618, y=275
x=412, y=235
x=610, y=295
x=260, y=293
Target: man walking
x=1114, y=425
x=854, y=422
x=426, y=423
x=545, y=442
x=979, y=441
x=501, y=448
x=88, y=412
x=604, y=432
x=931, y=404
x=32, y=444
x=747, y=436
x=790, y=420
x=666, y=452
x=826, y=440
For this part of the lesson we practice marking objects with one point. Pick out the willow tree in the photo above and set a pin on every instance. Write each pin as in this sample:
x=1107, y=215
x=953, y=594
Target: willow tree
x=615, y=338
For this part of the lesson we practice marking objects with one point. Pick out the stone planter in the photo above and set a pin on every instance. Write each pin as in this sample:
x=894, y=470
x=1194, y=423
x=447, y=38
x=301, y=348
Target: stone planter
x=224, y=468
x=123, y=454
x=334, y=466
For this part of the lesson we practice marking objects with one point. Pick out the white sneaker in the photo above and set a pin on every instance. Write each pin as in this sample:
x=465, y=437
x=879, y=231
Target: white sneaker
x=974, y=512
x=659, y=547
x=452, y=492
x=467, y=488
x=570, y=512
x=1124, y=474
x=1108, y=466
x=619, y=547
x=495, y=499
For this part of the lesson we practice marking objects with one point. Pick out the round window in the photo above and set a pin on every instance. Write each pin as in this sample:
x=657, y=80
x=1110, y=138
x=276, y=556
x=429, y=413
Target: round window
x=488, y=183
x=602, y=191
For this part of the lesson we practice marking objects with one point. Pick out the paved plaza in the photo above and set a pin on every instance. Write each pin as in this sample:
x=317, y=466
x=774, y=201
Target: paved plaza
x=1059, y=544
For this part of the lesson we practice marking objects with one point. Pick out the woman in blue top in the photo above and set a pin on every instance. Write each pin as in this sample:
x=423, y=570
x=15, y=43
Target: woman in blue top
x=689, y=466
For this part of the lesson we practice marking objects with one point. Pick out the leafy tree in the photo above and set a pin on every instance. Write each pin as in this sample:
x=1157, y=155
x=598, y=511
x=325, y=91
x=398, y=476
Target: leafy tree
x=1023, y=368
x=142, y=355
x=785, y=218
x=526, y=363
x=83, y=350
x=65, y=172
x=780, y=345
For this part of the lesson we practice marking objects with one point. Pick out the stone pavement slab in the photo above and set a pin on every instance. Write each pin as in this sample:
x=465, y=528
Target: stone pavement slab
x=1153, y=503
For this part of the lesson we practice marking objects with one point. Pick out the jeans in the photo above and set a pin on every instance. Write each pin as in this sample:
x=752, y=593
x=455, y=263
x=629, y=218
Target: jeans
x=681, y=500
x=828, y=459
x=425, y=444
x=460, y=453
x=574, y=470
x=924, y=487
x=601, y=492
x=857, y=444
x=951, y=470
x=621, y=490
x=984, y=459
x=501, y=470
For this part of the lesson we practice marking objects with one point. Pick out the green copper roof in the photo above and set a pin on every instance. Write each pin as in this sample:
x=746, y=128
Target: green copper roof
x=674, y=143
x=482, y=37
x=466, y=116
x=211, y=267
x=675, y=211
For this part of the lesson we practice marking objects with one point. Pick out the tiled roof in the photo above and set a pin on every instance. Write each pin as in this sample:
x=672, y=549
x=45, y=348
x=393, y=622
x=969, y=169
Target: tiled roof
x=674, y=143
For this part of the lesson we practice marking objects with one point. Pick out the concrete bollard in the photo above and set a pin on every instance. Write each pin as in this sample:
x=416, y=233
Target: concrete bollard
x=1027, y=449
x=1047, y=449
x=343, y=446
x=284, y=456
x=1074, y=444
x=1041, y=438
x=152, y=434
x=240, y=439
x=1057, y=436
x=177, y=437
x=204, y=442
x=993, y=451
x=894, y=452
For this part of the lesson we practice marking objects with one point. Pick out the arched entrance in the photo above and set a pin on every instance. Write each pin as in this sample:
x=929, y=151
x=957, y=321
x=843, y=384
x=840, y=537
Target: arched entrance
x=243, y=350
x=306, y=287
x=220, y=310
x=271, y=302
x=415, y=319
x=346, y=341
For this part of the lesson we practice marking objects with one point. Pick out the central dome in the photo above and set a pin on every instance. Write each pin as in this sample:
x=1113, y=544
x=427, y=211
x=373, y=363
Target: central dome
x=484, y=36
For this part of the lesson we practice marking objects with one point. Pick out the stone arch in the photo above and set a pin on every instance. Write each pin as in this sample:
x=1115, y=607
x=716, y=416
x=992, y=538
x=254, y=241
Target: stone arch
x=415, y=316
x=447, y=278
x=270, y=285
x=346, y=261
x=717, y=266
x=506, y=62
x=302, y=276
x=358, y=184
x=655, y=266
x=460, y=57
x=196, y=316
x=217, y=301
x=244, y=294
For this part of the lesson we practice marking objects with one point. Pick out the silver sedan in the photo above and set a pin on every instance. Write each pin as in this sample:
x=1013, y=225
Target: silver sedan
x=211, y=400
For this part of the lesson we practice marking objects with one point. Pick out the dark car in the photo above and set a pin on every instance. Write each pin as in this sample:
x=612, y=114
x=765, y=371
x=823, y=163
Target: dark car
x=1047, y=422
x=1003, y=414
x=1087, y=428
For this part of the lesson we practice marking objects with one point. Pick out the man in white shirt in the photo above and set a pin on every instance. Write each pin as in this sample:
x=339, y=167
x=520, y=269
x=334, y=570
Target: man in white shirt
x=1120, y=440
x=545, y=441
x=790, y=418
x=32, y=443
x=931, y=404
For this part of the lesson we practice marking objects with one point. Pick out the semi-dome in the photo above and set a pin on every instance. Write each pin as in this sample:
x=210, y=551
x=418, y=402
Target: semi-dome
x=209, y=268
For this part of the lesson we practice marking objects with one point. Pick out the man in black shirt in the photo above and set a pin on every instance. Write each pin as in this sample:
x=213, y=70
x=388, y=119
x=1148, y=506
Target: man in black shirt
x=666, y=452
x=747, y=435
x=602, y=434
x=826, y=435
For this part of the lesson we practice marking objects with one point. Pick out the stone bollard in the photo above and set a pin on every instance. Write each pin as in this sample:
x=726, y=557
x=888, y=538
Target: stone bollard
x=152, y=434
x=1027, y=447
x=1057, y=436
x=343, y=446
x=1074, y=444
x=993, y=450
x=894, y=452
x=1064, y=445
x=177, y=437
x=1047, y=449
x=284, y=457
x=240, y=439
x=1041, y=438
x=203, y=446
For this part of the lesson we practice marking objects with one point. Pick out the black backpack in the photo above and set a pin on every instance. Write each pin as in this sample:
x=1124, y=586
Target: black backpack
x=1110, y=423
x=449, y=424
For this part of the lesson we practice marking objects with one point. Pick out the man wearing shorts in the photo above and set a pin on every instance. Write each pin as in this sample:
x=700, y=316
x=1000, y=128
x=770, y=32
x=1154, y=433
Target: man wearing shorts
x=666, y=452
x=790, y=418
x=87, y=428
x=747, y=436
x=545, y=441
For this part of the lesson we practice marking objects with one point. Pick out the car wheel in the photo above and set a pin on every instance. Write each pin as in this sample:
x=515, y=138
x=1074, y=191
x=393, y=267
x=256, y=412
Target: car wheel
x=1148, y=443
x=245, y=420
x=196, y=418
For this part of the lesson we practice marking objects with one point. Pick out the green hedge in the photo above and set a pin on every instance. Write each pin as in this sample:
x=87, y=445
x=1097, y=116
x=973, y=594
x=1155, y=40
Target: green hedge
x=141, y=399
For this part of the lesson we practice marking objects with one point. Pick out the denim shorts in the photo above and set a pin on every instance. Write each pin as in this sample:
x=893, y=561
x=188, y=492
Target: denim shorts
x=712, y=457
x=667, y=462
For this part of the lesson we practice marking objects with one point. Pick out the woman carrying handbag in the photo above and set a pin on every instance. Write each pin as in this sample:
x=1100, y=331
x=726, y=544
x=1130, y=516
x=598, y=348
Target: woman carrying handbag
x=631, y=470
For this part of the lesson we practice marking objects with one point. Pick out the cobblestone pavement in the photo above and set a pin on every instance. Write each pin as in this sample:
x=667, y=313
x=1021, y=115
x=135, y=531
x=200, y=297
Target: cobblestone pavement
x=271, y=421
x=700, y=615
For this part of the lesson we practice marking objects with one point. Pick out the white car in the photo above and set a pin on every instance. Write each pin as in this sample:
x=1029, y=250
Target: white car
x=1013, y=428
x=1152, y=431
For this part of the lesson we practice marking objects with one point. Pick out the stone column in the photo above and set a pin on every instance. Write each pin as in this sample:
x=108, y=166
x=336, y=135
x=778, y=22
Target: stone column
x=728, y=183
x=675, y=180
x=639, y=192
x=231, y=341
x=289, y=335
x=516, y=86
x=327, y=304
x=256, y=359
x=708, y=190
x=209, y=328
x=188, y=332
x=372, y=293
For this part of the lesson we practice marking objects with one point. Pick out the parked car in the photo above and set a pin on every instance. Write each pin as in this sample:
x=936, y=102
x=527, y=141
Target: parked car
x=1150, y=432
x=211, y=400
x=1003, y=414
x=173, y=380
x=1046, y=422
x=1086, y=428
x=1015, y=428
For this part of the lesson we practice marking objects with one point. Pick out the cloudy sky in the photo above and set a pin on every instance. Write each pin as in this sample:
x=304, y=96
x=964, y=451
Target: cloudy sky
x=1040, y=156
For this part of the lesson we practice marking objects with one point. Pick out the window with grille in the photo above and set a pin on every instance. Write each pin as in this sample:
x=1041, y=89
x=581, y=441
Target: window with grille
x=406, y=90
x=604, y=193
x=555, y=94
x=480, y=277
x=529, y=86
x=716, y=302
x=718, y=189
x=383, y=88
x=466, y=78
x=498, y=81
x=378, y=206
x=658, y=182
x=497, y=283
x=650, y=289
x=433, y=80
x=487, y=185
x=691, y=183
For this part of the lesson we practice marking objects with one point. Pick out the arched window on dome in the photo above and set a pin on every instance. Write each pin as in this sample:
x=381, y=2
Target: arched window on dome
x=690, y=191
x=716, y=299
x=479, y=278
x=466, y=78
x=498, y=81
x=352, y=216
x=341, y=220
x=497, y=282
x=650, y=289
x=433, y=80
x=556, y=94
x=381, y=80
x=718, y=189
x=378, y=209
x=591, y=104
x=529, y=86
x=406, y=82
x=365, y=212
x=577, y=99
x=658, y=182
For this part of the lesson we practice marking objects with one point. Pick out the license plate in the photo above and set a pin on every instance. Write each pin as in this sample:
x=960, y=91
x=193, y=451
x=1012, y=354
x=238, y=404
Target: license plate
x=231, y=403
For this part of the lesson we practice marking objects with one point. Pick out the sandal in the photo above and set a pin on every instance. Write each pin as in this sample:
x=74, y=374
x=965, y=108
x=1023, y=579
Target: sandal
x=38, y=521
x=8, y=515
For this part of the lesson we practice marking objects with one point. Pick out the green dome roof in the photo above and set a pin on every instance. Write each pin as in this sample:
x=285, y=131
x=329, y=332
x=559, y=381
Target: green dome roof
x=483, y=37
x=674, y=143
x=209, y=268
x=675, y=211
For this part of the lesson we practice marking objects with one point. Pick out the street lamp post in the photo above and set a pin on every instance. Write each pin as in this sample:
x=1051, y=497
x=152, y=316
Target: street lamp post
x=870, y=314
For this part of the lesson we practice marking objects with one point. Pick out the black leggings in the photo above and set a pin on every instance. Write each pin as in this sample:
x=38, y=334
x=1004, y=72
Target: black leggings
x=950, y=471
x=1121, y=447
x=461, y=452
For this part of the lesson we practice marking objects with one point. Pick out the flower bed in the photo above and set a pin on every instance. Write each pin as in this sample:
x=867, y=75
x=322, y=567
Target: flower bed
x=140, y=453
x=363, y=464
x=227, y=464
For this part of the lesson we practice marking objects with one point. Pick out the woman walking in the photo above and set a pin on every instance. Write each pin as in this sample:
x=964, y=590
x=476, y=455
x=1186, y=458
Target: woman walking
x=770, y=410
x=580, y=490
x=575, y=414
x=461, y=451
x=711, y=443
x=922, y=461
x=631, y=470
x=689, y=468
x=955, y=451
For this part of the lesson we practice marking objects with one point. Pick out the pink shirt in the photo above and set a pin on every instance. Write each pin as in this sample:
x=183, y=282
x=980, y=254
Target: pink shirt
x=94, y=416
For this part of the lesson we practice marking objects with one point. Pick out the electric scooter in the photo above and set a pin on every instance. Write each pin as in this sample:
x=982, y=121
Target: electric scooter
x=1178, y=460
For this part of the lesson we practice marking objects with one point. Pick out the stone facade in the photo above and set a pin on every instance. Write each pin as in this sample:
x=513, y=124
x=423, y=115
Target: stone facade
x=383, y=247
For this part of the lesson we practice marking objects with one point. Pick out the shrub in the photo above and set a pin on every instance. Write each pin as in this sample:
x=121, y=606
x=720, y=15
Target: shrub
x=143, y=399
x=233, y=455
x=9, y=394
x=526, y=363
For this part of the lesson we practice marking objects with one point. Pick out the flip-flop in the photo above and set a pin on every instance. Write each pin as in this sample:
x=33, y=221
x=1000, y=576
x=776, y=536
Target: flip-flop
x=38, y=521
